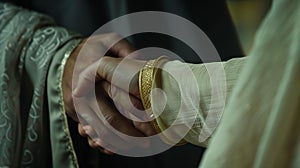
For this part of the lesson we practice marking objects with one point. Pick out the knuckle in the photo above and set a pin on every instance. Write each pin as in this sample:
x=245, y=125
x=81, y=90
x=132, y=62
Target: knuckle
x=107, y=87
x=112, y=119
x=114, y=36
x=102, y=67
x=103, y=63
x=106, y=67
x=80, y=130
x=86, y=75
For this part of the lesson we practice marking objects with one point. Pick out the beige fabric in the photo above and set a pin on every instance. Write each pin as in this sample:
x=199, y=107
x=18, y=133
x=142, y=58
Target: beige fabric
x=180, y=98
x=260, y=126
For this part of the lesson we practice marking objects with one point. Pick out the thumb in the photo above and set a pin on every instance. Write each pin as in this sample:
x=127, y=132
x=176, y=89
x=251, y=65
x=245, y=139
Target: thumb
x=86, y=81
x=122, y=73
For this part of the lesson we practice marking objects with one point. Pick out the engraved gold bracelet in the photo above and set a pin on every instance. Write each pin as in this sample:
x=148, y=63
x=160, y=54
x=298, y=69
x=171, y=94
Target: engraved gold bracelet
x=146, y=76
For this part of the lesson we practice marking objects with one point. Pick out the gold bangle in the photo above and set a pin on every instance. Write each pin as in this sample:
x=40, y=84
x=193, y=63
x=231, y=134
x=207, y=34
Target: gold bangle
x=146, y=76
x=145, y=86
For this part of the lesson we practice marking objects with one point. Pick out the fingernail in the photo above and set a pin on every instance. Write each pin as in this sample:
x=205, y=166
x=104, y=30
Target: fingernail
x=98, y=142
x=108, y=152
x=86, y=127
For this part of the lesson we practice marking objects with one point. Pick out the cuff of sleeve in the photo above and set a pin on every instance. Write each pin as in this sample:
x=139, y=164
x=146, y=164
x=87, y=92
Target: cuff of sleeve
x=63, y=152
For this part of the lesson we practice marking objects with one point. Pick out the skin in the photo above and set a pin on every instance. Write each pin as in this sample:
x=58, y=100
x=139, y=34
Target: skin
x=112, y=115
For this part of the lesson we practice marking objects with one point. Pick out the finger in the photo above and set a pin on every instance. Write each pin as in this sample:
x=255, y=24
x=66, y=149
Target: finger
x=125, y=101
x=122, y=48
x=86, y=131
x=128, y=106
x=107, y=118
x=117, y=45
x=117, y=125
x=81, y=131
x=94, y=141
x=117, y=120
x=93, y=144
x=145, y=127
x=108, y=152
x=108, y=148
x=85, y=84
x=121, y=123
x=122, y=73
x=94, y=48
x=96, y=145
x=90, y=119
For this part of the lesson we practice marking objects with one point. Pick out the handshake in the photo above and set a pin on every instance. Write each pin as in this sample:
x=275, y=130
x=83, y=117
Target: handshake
x=102, y=93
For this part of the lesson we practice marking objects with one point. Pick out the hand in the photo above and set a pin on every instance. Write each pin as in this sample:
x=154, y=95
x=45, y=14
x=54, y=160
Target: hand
x=91, y=50
x=124, y=75
x=112, y=116
x=87, y=131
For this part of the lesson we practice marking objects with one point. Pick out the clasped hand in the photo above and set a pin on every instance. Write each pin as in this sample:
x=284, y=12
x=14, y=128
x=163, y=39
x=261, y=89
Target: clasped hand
x=106, y=94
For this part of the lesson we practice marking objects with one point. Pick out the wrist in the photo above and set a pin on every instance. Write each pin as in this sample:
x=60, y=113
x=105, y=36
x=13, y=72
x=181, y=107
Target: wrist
x=147, y=78
x=67, y=75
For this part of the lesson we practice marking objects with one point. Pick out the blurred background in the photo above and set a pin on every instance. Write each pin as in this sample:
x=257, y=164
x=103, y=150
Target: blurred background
x=247, y=16
x=85, y=16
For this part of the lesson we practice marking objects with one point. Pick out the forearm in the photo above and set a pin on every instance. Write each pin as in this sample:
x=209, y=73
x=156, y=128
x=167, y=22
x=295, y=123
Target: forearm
x=196, y=96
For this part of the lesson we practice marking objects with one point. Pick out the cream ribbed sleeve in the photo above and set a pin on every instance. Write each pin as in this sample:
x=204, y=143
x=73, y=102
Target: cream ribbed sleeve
x=192, y=98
